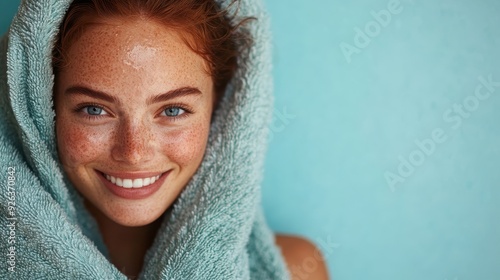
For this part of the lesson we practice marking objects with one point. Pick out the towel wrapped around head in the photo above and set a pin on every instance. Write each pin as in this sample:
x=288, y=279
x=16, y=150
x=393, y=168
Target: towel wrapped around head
x=215, y=229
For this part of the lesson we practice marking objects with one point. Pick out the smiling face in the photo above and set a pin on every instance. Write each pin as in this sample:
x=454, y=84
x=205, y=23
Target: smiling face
x=133, y=110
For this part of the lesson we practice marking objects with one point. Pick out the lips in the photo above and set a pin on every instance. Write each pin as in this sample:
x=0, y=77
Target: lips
x=133, y=185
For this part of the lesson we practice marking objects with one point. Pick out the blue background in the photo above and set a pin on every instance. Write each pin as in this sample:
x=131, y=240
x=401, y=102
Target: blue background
x=343, y=121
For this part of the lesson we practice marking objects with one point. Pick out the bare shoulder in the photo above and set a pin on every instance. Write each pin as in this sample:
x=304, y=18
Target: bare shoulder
x=303, y=258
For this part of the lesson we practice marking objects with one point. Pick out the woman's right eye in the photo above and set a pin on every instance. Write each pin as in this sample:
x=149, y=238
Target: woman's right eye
x=94, y=110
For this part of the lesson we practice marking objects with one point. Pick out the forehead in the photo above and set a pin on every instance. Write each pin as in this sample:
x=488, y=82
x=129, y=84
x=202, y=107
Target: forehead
x=135, y=51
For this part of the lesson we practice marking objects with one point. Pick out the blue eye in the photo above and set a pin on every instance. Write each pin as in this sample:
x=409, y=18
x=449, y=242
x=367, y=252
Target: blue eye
x=93, y=110
x=173, y=111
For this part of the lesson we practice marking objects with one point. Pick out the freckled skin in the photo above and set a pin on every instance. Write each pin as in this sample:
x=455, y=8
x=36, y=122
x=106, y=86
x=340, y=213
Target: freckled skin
x=132, y=60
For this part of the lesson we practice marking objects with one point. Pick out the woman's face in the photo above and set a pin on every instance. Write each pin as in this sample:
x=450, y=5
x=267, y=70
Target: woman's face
x=133, y=111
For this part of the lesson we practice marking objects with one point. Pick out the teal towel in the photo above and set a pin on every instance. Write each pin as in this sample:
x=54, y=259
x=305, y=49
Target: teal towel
x=216, y=228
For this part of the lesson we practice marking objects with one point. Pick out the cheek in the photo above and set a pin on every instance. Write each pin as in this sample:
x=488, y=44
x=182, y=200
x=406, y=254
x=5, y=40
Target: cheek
x=79, y=145
x=186, y=146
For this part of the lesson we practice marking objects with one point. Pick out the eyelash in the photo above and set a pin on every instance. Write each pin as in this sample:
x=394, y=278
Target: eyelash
x=94, y=117
x=80, y=107
x=186, y=113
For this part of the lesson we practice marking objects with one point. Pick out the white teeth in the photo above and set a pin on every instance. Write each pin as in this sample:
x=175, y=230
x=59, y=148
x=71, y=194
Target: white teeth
x=137, y=183
x=132, y=183
x=127, y=183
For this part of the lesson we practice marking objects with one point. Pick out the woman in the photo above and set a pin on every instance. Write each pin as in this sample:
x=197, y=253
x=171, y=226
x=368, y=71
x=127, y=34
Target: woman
x=152, y=166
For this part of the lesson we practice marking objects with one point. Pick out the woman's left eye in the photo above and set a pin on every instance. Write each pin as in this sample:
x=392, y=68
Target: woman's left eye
x=173, y=111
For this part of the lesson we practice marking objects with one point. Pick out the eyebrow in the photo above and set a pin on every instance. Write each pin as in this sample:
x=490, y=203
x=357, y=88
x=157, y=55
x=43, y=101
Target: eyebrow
x=175, y=93
x=90, y=92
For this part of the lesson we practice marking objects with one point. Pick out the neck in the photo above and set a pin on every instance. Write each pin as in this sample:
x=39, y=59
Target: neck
x=128, y=250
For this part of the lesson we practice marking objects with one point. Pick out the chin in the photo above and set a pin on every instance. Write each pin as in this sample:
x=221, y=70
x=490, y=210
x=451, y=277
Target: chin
x=127, y=215
x=136, y=221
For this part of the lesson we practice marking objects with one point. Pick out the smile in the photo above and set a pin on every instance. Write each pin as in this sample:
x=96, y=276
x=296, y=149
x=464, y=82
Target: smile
x=132, y=183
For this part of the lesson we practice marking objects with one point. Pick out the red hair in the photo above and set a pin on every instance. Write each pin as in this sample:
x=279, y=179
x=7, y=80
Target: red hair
x=204, y=27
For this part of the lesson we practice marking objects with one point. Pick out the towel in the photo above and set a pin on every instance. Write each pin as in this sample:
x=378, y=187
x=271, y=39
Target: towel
x=215, y=229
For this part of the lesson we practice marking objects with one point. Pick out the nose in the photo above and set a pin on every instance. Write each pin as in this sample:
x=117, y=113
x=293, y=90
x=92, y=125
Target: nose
x=133, y=143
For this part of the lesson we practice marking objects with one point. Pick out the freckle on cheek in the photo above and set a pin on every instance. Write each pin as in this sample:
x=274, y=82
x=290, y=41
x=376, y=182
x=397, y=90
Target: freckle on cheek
x=187, y=146
x=79, y=145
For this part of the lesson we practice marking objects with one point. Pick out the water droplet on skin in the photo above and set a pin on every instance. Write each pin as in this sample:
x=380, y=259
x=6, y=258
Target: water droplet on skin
x=139, y=56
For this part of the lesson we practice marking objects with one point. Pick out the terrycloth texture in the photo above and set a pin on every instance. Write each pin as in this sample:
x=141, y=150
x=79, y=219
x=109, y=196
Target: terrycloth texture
x=215, y=230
